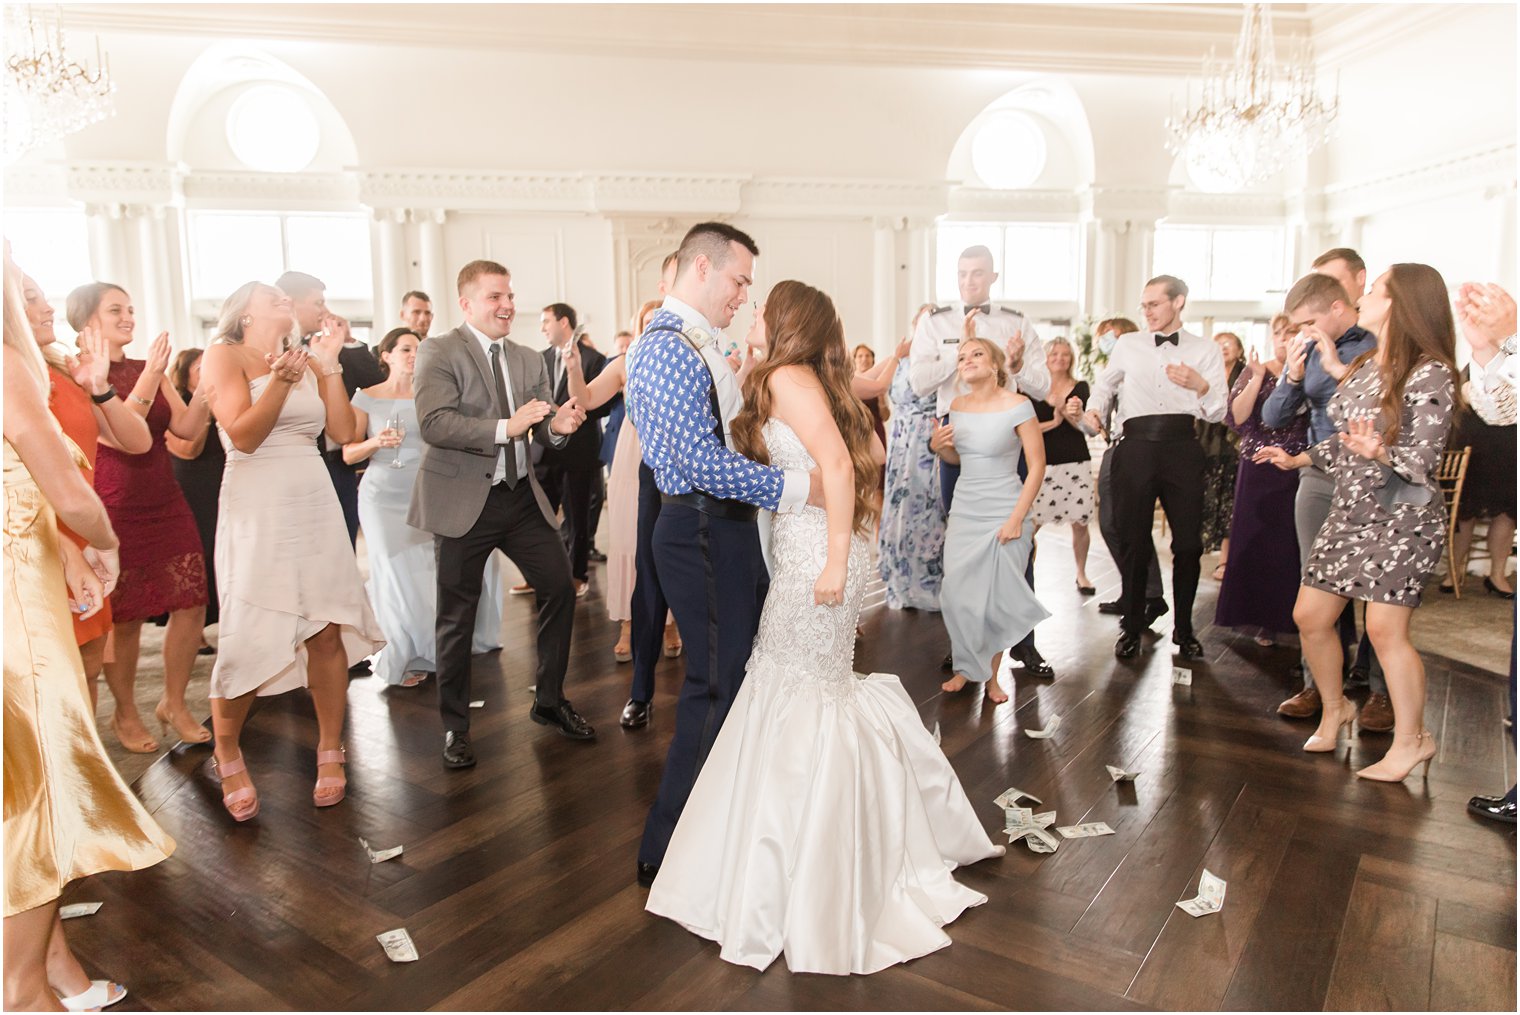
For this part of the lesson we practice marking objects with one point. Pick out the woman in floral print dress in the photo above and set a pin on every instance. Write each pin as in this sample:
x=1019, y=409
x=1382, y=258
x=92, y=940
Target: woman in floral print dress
x=1387, y=524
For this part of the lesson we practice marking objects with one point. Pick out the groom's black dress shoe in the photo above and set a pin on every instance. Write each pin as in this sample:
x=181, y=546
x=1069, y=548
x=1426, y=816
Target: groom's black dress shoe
x=457, y=752
x=1113, y=608
x=1128, y=645
x=635, y=714
x=948, y=663
x=564, y=719
x=1188, y=647
x=1034, y=663
x=647, y=871
x=1498, y=808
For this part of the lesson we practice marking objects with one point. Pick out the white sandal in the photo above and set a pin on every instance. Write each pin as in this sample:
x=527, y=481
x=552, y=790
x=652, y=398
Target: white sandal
x=101, y=994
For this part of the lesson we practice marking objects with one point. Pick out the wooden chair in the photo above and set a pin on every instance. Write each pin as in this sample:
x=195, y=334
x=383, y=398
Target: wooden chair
x=1451, y=475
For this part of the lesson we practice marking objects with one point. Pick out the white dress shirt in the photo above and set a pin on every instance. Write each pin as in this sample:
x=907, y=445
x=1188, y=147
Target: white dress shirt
x=1136, y=376
x=936, y=343
x=519, y=446
x=794, y=485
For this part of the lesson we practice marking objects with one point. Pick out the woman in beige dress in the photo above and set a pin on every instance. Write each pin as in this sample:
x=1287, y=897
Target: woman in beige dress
x=293, y=610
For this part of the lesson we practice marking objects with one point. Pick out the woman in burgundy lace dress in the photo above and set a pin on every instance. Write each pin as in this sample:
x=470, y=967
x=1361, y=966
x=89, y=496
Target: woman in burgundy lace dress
x=162, y=567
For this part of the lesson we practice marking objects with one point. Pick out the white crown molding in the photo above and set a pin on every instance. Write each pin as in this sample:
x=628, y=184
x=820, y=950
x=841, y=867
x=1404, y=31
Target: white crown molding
x=778, y=196
x=228, y=189
x=1194, y=206
x=1486, y=169
x=983, y=202
x=1345, y=33
x=1104, y=38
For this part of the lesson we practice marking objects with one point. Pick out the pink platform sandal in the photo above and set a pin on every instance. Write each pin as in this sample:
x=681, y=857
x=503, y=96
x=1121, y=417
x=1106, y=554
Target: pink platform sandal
x=328, y=781
x=233, y=801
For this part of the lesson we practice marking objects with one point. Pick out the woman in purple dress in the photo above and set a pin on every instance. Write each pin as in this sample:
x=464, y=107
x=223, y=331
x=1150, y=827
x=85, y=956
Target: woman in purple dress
x=1261, y=594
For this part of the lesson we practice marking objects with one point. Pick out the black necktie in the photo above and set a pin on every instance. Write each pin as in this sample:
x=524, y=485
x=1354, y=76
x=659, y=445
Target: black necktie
x=504, y=406
x=1172, y=338
x=985, y=308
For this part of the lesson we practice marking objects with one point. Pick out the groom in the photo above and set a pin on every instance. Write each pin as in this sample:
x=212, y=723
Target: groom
x=682, y=396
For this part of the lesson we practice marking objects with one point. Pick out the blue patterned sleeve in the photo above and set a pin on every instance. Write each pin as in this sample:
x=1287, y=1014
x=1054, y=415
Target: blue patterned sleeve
x=676, y=426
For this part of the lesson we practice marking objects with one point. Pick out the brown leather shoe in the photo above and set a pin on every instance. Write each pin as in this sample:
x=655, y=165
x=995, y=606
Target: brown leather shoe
x=1303, y=705
x=1377, y=714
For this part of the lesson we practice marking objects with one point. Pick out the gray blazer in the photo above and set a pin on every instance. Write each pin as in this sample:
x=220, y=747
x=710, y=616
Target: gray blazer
x=456, y=411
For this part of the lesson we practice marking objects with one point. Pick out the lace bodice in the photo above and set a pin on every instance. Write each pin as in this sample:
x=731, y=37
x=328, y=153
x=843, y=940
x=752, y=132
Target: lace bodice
x=807, y=647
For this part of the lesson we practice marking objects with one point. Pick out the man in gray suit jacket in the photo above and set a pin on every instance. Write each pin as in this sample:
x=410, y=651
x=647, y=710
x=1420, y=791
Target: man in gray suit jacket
x=480, y=400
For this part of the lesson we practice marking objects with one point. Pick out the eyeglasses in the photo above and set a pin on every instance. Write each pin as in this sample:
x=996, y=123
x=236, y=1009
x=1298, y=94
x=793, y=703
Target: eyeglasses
x=1154, y=304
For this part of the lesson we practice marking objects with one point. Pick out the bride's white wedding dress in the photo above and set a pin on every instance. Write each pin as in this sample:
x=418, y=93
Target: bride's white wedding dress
x=826, y=821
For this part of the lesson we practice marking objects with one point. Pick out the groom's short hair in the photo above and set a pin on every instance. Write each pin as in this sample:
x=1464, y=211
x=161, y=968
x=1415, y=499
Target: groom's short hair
x=470, y=272
x=711, y=239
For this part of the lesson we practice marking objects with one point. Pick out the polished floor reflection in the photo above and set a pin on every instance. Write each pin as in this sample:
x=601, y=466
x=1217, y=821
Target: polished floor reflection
x=517, y=878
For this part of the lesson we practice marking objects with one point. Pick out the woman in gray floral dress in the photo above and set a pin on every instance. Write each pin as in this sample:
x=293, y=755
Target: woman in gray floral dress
x=1387, y=524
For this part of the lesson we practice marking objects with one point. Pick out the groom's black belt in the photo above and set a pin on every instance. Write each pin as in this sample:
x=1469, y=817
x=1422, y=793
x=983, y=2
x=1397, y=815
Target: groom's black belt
x=715, y=507
x=1166, y=426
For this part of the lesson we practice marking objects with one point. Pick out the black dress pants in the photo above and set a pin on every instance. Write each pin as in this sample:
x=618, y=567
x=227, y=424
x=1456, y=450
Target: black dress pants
x=512, y=523
x=571, y=489
x=1143, y=471
x=713, y=573
x=648, y=609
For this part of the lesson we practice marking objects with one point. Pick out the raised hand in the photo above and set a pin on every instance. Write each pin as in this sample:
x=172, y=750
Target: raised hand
x=158, y=355
x=568, y=418
x=1255, y=365
x=335, y=325
x=570, y=356
x=92, y=368
x=1015, y=351
x=828, y=590
x=1298, y=351
x=328, y=342
x=968, y=329
x=904, y=347
x=1329, y=357
x=289, y=366
x=528, y=415
x=1361, y=437
x=1487, y=313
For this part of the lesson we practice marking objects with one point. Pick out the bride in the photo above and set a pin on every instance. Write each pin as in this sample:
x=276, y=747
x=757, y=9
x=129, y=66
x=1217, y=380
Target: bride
x=826, y=821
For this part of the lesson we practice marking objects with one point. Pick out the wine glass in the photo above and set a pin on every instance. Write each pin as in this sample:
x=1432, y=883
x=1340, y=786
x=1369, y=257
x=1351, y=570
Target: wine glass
x=398, y=424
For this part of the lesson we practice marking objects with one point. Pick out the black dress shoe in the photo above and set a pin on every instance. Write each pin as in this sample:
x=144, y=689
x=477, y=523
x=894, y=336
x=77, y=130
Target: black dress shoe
x=647, y=871
x=948, y=663
x=596, y=556
x=1494, y=590
x=1112, y=608
x=635, y=714
x=359, y=669
x=1188, y=647
x=1034, y=663
x=1496, y=808
x=564, y=719
x=1128, y=645
x=1155, y=609
x=457, y=752
x=1355, y=678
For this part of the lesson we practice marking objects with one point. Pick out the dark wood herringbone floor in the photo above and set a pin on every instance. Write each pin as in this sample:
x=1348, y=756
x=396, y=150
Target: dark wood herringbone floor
x=517, y=880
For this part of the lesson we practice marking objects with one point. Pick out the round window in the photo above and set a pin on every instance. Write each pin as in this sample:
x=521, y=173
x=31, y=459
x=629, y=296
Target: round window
x=1008, y=151
x=272, y=129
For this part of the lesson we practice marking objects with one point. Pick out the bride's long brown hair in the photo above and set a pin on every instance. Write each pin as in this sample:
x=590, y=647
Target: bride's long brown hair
x=803, y=329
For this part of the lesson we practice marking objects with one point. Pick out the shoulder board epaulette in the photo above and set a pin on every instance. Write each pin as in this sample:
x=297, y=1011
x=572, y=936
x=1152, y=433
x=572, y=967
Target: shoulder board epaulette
x=1010, y=310
x=939, y=310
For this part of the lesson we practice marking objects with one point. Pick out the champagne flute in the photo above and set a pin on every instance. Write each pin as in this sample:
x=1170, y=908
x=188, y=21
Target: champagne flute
x=397, y=424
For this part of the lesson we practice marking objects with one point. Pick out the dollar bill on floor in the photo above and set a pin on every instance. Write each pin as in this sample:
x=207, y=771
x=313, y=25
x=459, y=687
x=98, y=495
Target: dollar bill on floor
x=1012, y=795
x=380, y=855
x=398, y=945
x=1036, y=838
x=74, y=910
x=1047, y=732
x=1045, y=819
x=1013, y=817
x=936, y=734
x=1210, y=897
x=1120, y=775
x=1085, y=831
x=1182, y=675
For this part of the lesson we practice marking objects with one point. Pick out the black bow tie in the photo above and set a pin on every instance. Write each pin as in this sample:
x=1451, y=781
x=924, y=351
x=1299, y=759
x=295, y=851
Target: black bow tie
x=985, y=308
x=1172, y=338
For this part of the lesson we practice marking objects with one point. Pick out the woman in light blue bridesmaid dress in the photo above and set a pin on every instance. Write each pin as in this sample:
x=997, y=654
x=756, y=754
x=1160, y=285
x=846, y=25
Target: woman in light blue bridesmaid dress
x=986, y=603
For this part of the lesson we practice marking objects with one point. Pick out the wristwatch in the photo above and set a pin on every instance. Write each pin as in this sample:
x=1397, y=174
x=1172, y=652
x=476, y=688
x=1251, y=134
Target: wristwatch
x=105, y=396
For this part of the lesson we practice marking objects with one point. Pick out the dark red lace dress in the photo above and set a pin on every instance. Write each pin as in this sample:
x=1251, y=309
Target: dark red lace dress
x=162, y=569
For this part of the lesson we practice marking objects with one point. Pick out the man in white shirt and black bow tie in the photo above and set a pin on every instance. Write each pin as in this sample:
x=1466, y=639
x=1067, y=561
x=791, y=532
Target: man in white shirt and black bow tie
x=1164, y=386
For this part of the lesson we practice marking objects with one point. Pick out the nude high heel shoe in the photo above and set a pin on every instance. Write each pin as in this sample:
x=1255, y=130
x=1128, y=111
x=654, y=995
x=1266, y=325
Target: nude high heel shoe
x=1324, y=745
x=192, y=734
x=327, y=781
x=1391, y=769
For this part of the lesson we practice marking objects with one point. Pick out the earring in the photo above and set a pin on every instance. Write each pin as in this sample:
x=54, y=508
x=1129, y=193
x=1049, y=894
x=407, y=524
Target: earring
x=244, y=321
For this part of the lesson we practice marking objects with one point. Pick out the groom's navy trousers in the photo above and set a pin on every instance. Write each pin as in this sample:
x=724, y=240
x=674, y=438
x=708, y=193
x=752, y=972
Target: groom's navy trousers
x=648, y=607
x=714, y=577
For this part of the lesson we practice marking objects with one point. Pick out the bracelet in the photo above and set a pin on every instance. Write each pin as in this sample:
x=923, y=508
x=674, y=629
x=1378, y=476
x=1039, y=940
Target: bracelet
x=335, y=370
x=140, y=400
x=105, y=396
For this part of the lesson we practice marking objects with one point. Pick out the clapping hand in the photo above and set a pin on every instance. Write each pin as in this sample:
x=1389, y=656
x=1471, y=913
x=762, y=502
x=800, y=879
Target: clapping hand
x=1015, y=352
x=529, y=415
x=91, y=369
x=968, y=329
x=289, y=366
x=158, y=355
x=943, y=438
x=1072, y=410
x=568, y=418
x=1487, y=313
x=1255, y=365
x=1362, y=438
x=328, y=342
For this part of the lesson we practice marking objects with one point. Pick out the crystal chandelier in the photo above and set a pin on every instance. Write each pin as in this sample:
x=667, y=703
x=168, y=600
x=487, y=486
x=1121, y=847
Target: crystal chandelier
x=48, y=95
x=1254, y=113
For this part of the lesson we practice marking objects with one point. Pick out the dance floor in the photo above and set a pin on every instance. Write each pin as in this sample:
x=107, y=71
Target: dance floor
x=517, y=880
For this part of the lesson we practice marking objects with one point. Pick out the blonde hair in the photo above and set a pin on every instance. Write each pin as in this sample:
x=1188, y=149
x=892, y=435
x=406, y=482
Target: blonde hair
x=18, y=332
x=229, y=322
x=53, y=354
x=999, y=361
x=648, y=308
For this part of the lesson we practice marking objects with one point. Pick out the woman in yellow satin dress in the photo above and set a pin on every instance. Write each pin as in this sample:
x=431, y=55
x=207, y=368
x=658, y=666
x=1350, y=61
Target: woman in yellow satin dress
x=67, y=812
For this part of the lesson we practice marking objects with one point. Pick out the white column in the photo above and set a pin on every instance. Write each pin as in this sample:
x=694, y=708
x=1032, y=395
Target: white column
x=155, y=306
x=433, y=273
x=391, y=271
x=885, y=301
x=920, y=260
x=107, y=260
